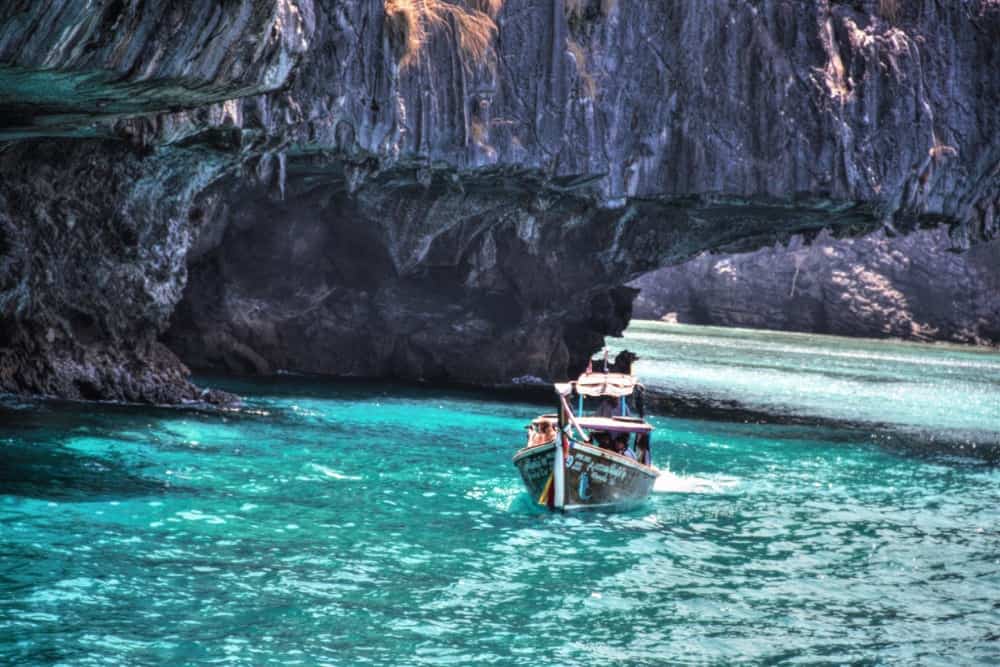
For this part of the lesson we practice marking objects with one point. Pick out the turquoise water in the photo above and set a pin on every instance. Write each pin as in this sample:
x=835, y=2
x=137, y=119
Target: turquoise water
x=377, y=524
x=931, y=392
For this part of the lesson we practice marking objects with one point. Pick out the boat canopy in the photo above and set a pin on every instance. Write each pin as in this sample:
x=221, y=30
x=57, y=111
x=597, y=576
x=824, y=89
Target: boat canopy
x=600, y=384
x=617, y=424
x=552, y=419
x=614, y=424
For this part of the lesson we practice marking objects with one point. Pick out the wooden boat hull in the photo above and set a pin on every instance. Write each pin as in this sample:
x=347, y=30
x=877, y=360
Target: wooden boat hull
x=591, y=477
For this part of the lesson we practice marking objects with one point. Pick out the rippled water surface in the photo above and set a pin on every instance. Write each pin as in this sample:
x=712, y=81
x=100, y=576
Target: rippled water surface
x=931, y=392
x=354, y=524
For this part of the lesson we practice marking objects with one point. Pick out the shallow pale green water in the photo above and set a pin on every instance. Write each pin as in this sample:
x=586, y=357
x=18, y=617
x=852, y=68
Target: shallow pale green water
x=377, y=524
x=931, y=392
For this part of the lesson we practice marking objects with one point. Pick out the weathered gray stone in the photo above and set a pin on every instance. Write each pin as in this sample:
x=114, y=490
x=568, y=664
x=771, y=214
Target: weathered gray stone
x=66, y=64
x=459, y=217
x=94, y=240
x=473, y=278
x=914, y=287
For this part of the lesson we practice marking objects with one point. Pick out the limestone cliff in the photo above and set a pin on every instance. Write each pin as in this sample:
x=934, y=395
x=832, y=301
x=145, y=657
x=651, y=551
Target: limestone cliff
x=912, y=287
x=430, y=189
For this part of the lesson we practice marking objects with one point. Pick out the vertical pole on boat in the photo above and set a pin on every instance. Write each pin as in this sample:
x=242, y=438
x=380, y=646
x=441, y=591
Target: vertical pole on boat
x=558, y=495
x=559, y=474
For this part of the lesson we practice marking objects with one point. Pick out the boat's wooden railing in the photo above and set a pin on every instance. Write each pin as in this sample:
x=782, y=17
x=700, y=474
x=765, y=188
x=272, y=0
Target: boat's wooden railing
x=572, y=420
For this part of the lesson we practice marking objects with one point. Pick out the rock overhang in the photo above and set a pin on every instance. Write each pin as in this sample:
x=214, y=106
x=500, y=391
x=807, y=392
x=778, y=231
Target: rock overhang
x=504, y=183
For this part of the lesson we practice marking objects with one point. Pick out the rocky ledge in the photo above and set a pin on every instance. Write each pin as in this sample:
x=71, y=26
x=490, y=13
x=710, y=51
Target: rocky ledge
x=913, y=287
x=456, y=191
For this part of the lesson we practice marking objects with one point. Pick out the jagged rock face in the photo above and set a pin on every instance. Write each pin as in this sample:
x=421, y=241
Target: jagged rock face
x=476, y=280
x=397, y=282
x=470, y=218
x=750, y=99
x=913, y=287
x=87, y=286
x=65, y=65
x=94, y=233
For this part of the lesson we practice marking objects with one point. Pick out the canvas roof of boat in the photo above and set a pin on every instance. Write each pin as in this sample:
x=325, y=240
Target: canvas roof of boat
x=600, y=384
x=612, y=424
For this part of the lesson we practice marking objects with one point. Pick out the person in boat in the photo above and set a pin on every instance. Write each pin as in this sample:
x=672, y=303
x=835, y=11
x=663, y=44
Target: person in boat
x=629, y=452
x=642, y=449
x=540, y=433
x=546, y=432
x=602, y=439
x=621, y=446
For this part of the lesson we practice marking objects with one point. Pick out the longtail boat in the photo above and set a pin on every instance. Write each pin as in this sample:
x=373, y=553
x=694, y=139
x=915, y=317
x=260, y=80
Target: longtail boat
x=574, y=460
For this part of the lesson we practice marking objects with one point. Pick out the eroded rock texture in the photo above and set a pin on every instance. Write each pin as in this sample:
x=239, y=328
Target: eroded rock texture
x=94, y=232
x=473, y=279
x=65, y=65
x=314, y=190
x=90, y=282
x=914, y=287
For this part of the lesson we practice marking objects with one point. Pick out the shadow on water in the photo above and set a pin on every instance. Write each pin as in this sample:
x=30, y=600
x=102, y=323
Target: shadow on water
x=48, y=471
x=35, y=461
x=289, y=386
